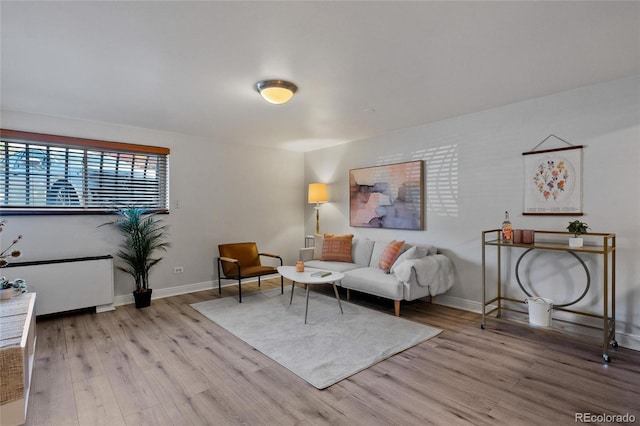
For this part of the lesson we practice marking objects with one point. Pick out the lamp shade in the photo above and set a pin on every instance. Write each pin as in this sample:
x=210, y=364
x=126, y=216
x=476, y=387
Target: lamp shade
x=318, y=193
x=276, y=91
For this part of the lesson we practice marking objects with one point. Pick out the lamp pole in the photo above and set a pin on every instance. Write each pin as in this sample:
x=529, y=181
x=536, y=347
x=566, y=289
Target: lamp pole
x=317, y=218
x=317, y=194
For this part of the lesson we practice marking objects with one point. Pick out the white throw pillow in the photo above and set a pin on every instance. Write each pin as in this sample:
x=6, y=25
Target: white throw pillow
x=413, y=253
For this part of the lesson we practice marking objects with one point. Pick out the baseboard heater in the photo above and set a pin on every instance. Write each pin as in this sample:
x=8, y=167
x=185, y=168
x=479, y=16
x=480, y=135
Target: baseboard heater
x=67, y=284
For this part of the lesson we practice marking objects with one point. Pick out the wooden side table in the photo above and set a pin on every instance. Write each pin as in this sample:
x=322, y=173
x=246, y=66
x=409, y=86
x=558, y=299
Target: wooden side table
x=17, y=350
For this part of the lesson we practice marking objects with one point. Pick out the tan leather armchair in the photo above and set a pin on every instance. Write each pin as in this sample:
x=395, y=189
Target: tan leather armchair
x=242, y=260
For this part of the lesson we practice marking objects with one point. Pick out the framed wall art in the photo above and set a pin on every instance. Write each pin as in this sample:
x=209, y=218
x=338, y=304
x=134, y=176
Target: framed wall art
x=553, y=181
x=389, y=196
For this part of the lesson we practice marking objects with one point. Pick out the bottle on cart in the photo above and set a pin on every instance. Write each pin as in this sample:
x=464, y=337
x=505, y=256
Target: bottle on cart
x=507, y=230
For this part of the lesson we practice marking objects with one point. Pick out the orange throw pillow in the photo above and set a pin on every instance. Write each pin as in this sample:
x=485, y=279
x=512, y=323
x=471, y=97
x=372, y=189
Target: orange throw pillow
x=389, y=255
x=337, y=248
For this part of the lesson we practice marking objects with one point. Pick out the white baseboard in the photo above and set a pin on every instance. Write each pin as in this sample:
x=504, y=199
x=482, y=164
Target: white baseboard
x=630, y=341
x=625, y=340
x=159, y=293
x=456, y=302
x=126, y=299
x=106, y=308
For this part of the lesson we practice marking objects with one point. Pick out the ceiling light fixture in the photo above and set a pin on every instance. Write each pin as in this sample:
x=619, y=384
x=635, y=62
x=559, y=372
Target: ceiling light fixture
x=276, y=91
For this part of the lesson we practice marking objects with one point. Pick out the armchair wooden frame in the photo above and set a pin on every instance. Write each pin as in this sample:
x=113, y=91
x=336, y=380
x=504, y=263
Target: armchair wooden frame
x=248, y=272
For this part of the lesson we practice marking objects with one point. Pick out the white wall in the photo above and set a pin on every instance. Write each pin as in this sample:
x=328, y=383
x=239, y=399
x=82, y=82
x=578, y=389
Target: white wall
x=224, y=193
x=474, y=173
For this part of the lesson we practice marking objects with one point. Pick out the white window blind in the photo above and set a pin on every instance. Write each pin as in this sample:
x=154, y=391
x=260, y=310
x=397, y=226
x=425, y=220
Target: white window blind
x=47, y=173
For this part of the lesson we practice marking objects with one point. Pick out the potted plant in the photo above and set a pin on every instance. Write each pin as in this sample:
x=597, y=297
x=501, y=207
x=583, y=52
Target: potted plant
x=9, y=288
x=577, y=228
x=143, y=234
x=6, y=288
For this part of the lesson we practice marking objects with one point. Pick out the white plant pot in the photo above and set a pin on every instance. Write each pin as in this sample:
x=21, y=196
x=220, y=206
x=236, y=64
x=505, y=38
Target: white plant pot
x=576, y=242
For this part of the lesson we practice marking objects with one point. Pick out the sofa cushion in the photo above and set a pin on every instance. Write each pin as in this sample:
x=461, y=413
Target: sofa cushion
x=390, y=254
x=361, y=251
x=331, y=266
x=376, y=254
x=373, y=280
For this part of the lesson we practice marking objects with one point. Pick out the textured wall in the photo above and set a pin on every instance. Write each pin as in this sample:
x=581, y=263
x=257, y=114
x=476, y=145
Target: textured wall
x=474, y=172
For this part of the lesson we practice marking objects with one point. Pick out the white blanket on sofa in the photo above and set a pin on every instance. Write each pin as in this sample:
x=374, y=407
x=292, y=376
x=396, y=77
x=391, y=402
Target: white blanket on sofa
x=434, y=272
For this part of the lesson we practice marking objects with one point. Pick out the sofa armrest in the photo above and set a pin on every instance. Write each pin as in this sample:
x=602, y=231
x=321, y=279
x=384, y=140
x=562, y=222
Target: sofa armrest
x=435, y=272
x=306, y=254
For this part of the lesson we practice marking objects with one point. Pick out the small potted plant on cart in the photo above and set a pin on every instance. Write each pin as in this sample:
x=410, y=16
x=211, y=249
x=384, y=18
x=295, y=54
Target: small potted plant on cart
x=577, y=228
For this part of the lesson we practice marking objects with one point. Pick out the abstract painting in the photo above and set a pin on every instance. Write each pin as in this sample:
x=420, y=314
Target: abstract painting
x=389, y=196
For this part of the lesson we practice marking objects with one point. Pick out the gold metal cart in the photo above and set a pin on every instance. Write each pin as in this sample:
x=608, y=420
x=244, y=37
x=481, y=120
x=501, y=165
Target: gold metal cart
x=544, y=240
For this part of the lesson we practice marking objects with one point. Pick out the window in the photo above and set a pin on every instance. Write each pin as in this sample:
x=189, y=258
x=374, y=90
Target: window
x=56, y=174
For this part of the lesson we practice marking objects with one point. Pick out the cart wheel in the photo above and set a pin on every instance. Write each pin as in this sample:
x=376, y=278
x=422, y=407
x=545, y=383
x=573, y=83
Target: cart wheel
x=614, y=343
x=482, y=326
x=606, y=358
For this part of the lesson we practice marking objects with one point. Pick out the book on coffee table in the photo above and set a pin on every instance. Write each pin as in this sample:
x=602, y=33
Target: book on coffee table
x=321, y=274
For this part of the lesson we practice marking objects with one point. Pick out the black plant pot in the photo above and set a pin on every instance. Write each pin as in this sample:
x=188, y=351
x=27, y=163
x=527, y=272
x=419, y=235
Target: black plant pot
x=142, y=298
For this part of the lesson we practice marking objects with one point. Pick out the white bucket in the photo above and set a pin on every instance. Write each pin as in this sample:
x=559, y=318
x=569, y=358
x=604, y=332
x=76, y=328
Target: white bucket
x=539, y=311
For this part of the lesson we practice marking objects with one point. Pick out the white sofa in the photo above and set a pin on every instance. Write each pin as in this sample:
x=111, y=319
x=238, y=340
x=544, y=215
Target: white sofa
x=417, y=272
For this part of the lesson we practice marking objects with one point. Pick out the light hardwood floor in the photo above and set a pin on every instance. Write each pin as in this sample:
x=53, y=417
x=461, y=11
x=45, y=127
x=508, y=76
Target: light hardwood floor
x=169, y=365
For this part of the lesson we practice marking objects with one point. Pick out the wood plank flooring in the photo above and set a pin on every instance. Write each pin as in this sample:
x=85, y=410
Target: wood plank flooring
x=169, y=365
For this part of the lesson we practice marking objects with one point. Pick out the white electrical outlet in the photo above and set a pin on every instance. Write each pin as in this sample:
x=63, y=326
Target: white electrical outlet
x=178, y=269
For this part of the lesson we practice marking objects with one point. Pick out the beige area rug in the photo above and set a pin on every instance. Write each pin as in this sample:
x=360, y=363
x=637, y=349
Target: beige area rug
x=330, y=347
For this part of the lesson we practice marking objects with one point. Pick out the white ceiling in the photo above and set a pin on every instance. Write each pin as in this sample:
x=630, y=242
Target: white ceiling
x=362, y=68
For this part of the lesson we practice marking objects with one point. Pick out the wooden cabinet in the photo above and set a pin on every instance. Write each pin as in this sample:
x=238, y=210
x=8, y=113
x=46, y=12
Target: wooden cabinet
x=17, y=350
x=604, y=246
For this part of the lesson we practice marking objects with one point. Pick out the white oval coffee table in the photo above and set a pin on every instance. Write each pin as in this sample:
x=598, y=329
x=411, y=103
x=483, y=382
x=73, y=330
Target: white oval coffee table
x=307, y=278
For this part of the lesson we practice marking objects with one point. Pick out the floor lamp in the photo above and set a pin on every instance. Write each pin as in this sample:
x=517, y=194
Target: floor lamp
x=318, y=194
